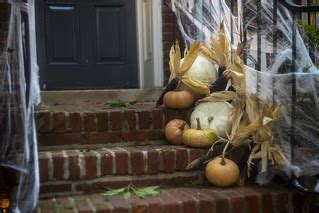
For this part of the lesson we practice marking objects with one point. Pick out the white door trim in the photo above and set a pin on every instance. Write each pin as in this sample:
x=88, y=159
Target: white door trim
x=149, y=40
x=158, y=43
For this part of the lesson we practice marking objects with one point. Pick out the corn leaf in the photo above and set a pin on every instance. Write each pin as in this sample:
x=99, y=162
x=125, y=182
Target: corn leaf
x=209, y=54
x=175, y=58
x=238, y=79
x=195, y=85
x=251, y=107
x=221, y=96
x=224, y=44
x=245, y=132
x=264, y=159
x=237, y=117
x=253, y=155
x=278, y=156
x=217, y=49
x=190, y=58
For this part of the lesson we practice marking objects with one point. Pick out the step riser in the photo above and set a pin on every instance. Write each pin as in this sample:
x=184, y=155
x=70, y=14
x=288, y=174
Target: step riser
x=66, y=171
x=77, y=165
x=104, y=126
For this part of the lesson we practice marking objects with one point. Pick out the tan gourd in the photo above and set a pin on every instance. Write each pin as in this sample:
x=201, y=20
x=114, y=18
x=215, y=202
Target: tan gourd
x=174, y=131
x=201, y=138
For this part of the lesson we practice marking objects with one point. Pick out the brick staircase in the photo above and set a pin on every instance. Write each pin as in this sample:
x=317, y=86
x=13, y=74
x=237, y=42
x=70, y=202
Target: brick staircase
x=88, y=147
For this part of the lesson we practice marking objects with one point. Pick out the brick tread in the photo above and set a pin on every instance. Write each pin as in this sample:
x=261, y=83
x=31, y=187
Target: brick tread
x=199, y=199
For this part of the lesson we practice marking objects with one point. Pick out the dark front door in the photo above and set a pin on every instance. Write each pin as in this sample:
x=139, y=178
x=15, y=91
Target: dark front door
x=87, y=44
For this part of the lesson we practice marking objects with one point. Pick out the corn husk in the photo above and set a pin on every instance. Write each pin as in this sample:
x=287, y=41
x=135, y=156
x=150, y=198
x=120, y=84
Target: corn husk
x=195, y=84
x=219, y=48
x=189, y=58
x=179, y=67
x=221, y=96
x=175, y=58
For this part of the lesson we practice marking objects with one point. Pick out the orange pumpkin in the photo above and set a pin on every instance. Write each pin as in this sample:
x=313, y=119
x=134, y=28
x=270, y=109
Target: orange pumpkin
x=174, y=131
x=222, y=172
x=178, y=99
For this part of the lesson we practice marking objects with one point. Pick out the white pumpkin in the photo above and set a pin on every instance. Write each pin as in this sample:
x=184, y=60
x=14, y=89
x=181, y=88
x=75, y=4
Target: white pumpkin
x=215, y=116
x=202, y=69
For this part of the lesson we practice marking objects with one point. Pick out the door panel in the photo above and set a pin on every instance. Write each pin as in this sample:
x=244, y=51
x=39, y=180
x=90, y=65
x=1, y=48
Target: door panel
x=63, y=36
x=87, y=44
x=110, y=34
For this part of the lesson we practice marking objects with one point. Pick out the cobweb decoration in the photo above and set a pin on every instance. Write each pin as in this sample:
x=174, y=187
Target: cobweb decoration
x=273, y=78
x=18, y=141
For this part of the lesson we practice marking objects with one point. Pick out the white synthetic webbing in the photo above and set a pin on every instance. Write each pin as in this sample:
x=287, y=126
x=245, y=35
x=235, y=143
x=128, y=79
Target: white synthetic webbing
x=19, y=142
x=268, y=82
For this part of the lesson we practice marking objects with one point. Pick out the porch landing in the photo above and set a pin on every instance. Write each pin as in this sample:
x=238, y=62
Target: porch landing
x=97, y=97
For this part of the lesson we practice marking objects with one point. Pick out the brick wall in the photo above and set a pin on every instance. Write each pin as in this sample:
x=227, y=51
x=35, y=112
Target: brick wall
x=170, y=34
x=4, y=17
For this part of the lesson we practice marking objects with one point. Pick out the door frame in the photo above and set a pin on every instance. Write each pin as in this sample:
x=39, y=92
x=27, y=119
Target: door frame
x=156, y=48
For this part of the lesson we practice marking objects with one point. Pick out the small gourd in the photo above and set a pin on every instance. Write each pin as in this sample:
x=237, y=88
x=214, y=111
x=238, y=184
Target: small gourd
x=222, y=172
x=178, y=99
x=200, y=138
x=174, y=131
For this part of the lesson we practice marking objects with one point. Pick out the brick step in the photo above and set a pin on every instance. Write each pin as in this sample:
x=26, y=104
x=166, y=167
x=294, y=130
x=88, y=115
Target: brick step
x=96, y=125
x=62, y=188
x=77, y=171
x=199, y=199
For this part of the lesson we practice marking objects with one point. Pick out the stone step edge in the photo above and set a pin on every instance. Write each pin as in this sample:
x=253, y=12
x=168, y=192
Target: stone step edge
x=69, y=187
x=119, y=95
x=99, y=138
x=100, y=146
x=90, y=164
x=189, y=199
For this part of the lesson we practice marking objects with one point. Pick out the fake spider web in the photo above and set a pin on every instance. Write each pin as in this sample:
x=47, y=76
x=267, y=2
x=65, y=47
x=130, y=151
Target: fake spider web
x=18, y=141
x=199, y=20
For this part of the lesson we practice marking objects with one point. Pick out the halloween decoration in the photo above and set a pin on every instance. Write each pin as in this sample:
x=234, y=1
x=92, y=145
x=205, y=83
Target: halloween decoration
x=201, y=138
x=174, y=131
x=222, y=172
x=178, y=99
x=215, y=116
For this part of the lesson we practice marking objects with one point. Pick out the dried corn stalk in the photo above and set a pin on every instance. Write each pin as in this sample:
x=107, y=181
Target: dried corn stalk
x=253, y=119
x=219, y=48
